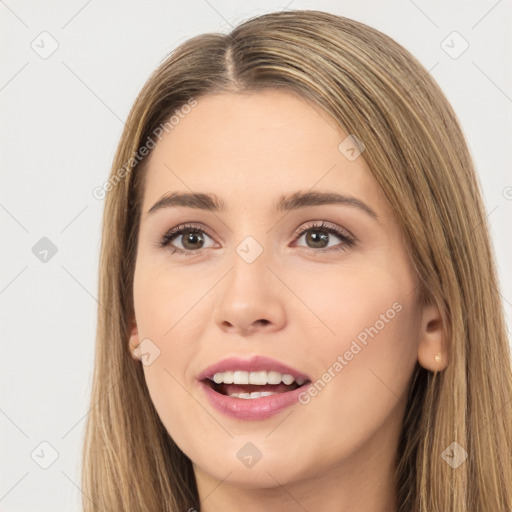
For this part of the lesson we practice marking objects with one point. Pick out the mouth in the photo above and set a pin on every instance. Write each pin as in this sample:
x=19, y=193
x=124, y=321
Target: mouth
x=253, y=388
x=253, y=385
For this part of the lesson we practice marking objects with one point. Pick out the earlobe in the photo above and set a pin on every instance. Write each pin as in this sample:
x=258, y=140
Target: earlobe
x=432, y=349
x=134, y=343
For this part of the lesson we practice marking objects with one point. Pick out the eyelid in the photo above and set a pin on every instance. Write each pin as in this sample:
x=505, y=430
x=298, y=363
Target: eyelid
x=185, y=226
x=328, y=226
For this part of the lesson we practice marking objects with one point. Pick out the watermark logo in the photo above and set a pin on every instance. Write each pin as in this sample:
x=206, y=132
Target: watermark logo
x=147, y=352
x=44, y=250
x=45, y=45
x=454, y=45
x=44, y=455
x=249, y=455
x=249, y=249
x=351, y=148
x=454, y=455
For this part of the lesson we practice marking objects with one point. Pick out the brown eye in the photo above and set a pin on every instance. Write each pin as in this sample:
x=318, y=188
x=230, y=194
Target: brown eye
x=191, y=238
x=317, y=237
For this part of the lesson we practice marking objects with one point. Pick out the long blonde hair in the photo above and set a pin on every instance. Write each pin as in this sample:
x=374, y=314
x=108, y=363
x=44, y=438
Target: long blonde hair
x=416, y=151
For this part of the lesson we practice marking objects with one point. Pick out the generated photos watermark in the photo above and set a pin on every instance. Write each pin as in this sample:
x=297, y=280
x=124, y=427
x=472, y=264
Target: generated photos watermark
x=357, y=345
x=100, y=191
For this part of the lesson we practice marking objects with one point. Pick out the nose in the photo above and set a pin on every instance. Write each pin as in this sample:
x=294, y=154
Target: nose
x=250, y=299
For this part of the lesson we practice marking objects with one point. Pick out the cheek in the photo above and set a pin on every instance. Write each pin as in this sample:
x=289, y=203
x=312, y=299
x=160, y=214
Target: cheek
x=170, y=314
x=371, y=303
x=363, y=366
x=168, y=306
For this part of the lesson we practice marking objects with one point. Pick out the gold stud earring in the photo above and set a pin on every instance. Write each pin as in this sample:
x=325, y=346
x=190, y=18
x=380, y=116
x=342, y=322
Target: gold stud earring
x=437, y=357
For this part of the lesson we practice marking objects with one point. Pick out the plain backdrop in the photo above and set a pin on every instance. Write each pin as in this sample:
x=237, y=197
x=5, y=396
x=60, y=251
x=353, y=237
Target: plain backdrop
x=70, y=71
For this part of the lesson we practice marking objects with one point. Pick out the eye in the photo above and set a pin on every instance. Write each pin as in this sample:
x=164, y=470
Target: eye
x=318, y=235
x=192, y=239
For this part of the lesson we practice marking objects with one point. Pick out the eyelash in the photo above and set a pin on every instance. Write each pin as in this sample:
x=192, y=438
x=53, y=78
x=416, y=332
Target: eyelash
x=348, y=240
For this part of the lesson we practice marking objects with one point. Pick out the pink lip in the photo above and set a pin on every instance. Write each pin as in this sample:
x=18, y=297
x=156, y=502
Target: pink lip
x=253, y=364
x=255, y=408
x=252, y=408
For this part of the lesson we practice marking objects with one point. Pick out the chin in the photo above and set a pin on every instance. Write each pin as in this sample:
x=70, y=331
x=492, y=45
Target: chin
x=268, y=472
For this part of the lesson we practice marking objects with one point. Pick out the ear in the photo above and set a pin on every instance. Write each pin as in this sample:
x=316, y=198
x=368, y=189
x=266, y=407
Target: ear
x=134, y=342
x=432, y=348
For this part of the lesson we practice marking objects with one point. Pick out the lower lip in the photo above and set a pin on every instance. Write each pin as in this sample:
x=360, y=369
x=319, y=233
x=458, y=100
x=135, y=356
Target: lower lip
x=252, y=408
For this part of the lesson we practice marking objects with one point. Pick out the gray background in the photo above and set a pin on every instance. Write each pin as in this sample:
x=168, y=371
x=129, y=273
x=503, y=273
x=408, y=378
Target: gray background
x=62, y=116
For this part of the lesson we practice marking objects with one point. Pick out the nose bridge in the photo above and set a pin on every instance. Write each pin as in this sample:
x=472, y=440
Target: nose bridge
x=250, y=261
x=251, y=236
x=251, y=241
x=248, y=295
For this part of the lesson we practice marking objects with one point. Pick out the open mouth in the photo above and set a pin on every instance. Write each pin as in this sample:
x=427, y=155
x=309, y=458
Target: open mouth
x=251, y=385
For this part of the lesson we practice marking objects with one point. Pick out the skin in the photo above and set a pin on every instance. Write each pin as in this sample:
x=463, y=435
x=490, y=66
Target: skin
x=336, y=453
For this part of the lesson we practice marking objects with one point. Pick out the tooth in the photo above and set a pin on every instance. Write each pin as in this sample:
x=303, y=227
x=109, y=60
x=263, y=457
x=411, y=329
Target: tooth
x=259, y=378
x=234, y=395
x=267, y=393
x=255, y=394
x=244, y=395
x=274, y=378
x=287, y=379
x=241, y=377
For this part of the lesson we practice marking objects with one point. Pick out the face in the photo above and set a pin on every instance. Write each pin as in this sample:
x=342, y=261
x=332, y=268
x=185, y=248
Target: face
x=322, y=289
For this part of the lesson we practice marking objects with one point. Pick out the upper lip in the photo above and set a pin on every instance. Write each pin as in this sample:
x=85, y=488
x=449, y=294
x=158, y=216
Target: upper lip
x=252, y=364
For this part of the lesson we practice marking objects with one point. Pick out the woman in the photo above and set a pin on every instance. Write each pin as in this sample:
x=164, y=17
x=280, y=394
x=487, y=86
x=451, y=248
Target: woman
x=299, y=301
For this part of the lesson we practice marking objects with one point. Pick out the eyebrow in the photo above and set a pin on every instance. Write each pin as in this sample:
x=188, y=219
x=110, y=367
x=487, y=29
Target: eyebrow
x=295, y=201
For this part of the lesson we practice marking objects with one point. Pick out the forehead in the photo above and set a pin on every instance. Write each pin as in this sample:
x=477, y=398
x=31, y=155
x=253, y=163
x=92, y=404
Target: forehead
x=254, y=146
